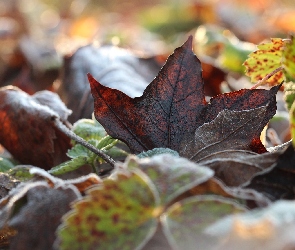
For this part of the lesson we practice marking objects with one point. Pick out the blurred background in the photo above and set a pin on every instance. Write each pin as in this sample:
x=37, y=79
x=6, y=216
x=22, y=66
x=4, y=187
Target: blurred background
x=36, y=34
x=40, y=32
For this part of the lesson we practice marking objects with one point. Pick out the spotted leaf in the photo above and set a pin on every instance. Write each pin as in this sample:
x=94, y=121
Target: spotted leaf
x=119, y=214
x=266, y=59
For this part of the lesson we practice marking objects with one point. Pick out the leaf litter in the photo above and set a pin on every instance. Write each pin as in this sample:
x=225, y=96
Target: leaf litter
x=161, y=190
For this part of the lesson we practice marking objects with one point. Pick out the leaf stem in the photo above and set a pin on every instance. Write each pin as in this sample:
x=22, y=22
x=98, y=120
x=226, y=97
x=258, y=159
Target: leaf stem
x=264, y=79
x=59, y=125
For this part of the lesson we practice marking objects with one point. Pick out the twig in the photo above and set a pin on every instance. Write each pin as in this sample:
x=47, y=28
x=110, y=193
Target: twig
x=59, y=125
x=264, y=79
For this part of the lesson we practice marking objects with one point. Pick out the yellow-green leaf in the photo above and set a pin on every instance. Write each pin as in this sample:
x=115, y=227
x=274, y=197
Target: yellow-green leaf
x=266, y=59
x=119, y=214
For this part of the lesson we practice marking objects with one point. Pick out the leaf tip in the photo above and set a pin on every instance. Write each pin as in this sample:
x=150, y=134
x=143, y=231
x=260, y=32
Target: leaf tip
x=90, y=79
x=189, y=42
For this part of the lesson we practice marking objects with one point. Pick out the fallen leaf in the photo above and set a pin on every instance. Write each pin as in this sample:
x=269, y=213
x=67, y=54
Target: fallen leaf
x=171, y=175
x=52, y=101
x=235, y=168
x=35, y=208
x=213, y=186
x=185, y=222
x=40, y=216
x=27, y=130
x=230, y=129
x=117, y=214
x=277, y=181
x=173, y=106
x=263, y=61
x=114, y=67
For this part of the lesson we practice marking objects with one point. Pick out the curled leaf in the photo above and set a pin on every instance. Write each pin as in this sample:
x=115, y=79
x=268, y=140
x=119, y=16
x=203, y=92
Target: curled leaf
x=27, y=130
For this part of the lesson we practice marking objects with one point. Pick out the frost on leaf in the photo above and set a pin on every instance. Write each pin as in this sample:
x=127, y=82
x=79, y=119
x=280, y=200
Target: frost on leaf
x=119, y=214
x=266, y=59
x=173, y=106
x=229, y=130
x=27, y=130
x=171, y=175
x=34, y=209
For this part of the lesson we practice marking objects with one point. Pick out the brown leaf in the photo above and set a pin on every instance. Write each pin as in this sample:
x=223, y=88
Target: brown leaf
x=230, y=129
x=173, y=106
x=114, y=67
x=36, y=207
x=234, y=168
x=277, y=181
x=40, y=215
x=27, y=130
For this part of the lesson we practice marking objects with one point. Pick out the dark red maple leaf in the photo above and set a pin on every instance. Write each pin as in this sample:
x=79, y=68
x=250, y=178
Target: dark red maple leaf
x=173, y=106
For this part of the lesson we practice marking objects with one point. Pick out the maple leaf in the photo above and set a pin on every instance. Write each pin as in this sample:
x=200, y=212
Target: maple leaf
x=227, y=129
x=173, y=106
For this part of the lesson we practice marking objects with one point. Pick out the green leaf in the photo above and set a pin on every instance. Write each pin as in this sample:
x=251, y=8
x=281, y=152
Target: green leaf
x=266, y=59
x=5, y=164
x=157, y=151
x=77, y=151
x=21, y=172
x=107, y=143
x=171, y=175
x=116, y=152
x=119, y=214
x=289, y=93
x=88, y=129
x=288, y=61
x=185, y=222
x=69, y=166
